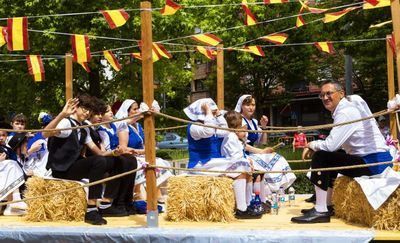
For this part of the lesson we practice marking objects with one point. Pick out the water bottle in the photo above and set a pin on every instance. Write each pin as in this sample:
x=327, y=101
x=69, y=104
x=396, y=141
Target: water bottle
x=281, y=197
x=274, y=206
x=291, y=196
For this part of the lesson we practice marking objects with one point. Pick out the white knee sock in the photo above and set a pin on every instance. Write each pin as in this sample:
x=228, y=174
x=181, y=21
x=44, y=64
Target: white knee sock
x=239, y=187
x=249, y=192
x=320, y=204
x=16, y=195
x=264, y=191
x=256, y=188
x=329, y=196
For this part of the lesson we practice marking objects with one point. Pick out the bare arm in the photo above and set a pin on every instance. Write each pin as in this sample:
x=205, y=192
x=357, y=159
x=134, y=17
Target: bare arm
x=68, y=110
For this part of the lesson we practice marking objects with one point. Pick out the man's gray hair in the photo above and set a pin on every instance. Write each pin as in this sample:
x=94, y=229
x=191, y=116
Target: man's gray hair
x=338, y=86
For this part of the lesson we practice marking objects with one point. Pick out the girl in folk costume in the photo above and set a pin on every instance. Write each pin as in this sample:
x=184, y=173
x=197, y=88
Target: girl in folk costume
x=204, y=142
x=136, y=142
x=263, y=159
x=11, y=175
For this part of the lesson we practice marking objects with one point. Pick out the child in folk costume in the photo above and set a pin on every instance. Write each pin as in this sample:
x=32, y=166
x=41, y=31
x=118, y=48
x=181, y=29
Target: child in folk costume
x=18, y=123
x=136, y=141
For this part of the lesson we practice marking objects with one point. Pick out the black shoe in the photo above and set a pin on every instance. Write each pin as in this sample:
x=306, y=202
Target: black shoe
x=248, y=214
x=93, y=217
x=312, y=217
x=113, y=212
x=266, y=207
x=311, y=199
x=331, y=210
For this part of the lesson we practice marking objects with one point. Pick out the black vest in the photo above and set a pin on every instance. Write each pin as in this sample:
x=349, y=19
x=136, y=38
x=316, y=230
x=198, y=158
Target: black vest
x=63, y=152
x=94, y=134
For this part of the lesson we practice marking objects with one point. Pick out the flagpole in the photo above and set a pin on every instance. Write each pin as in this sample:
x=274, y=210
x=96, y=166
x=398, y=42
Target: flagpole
x=395, y=7
x=68, y=76
x=220, y=77
x=391, y=88
x=148, y=97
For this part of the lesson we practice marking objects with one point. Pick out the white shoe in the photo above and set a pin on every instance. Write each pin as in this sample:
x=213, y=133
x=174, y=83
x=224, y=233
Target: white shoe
x=19, y=205
x=13, y=212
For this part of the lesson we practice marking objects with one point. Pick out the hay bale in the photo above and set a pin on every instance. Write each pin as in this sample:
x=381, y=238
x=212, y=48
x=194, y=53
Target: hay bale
x=70, y=206
x=352, y=205
x=200, y=198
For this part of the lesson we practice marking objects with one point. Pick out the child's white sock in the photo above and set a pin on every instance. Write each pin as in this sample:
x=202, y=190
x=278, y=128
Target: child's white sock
x=249, y=192
x=239, y=187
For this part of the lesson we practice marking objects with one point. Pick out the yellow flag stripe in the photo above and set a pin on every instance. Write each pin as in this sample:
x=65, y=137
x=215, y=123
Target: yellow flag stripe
x=17, y=34
x=2, y=37
x=117, y=17
x=80, y=48
x=111, y=60
x=382, y=3
x=35, y=64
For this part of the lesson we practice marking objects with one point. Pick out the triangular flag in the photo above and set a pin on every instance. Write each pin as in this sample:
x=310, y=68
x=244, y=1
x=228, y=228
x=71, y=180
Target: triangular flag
x=278, y=38
x=208, y=39
x=112, y=60
x=35, y=67
x=160, y=49
x=392, y=43
x=379, y=4
x=115, y=18
x=17, y=34
x=81, y=48
x=257, y=50
x=312, y=10
x=85, y=66
x=275, y=1
x=372, y=2
x=3, y=35
x=300, y=21
x=249, y=18
x=137, y=55
x=207, y=51
x=330, y=17
x=170, y=8
x=381, y=24
x=325, y=47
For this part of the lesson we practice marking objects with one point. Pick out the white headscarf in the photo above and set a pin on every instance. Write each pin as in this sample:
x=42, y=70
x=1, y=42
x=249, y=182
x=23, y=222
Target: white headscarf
x=194, y=111
x=123, y=110
x=238, y=107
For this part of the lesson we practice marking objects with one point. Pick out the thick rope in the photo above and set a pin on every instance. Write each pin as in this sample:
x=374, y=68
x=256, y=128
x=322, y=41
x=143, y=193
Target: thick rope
x=170, y=128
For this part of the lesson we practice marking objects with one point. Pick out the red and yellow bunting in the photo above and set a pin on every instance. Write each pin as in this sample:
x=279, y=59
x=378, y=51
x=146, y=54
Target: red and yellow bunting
x=208, y=39
x=35, y=67
x=115, y=18
x=392, y=43
x=325, y=47
x=81, y=48
x=300, y=21
x=256, y=50
x=17, y=34
x=85, y=66
x=170, y=8
x=312, y=10
x=206, y=51
x=330, y=17
x=3, y=35
x=138, y=56
x=278, y=38
x=275, y=1
x=112, y=60
x=249, y=18
x=161, y=51
x=370, y=4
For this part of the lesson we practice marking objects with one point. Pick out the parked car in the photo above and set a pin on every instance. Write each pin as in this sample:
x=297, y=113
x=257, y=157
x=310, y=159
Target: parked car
x=172, y=140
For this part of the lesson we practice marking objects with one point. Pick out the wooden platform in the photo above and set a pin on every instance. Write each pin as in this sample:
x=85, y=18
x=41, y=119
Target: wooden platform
x=267, y=222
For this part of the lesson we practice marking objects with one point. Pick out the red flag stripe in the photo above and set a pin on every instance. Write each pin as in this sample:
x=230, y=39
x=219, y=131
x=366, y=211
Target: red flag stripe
x=211, y=36
x=248, y=13
x=25, y=38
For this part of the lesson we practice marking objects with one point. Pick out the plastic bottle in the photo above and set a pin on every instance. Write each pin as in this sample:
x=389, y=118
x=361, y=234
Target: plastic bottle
x=292, y=197
x=281, y=197
x=275, y=205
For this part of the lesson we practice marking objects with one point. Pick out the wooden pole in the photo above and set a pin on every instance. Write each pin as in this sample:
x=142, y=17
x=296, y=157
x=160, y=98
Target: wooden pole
x=68, y=76
x=391, y=88
x=148, y=97
x=220, y=77
x=395, y=7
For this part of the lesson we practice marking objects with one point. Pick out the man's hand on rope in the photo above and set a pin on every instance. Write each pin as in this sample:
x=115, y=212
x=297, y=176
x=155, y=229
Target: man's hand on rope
x=307, y=153
x=70, y=107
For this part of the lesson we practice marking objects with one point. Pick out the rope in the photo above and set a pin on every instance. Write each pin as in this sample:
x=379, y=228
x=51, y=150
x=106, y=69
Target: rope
x=170, y=128
x=289, y=161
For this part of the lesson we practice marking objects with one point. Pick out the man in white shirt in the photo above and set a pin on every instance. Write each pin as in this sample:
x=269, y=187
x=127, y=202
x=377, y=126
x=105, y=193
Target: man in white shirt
x=361, y=141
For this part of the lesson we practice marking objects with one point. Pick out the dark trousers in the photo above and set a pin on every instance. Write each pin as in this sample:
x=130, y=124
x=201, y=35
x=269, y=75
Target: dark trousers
x=121, y=189
x=323, y=159
x=92, y=168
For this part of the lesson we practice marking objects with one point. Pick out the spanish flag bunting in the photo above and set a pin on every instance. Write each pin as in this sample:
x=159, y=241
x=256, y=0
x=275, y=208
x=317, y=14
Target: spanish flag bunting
x=275, y=1
x=300, y=21
x=370, y=4
x=35, y=67
x=381, y=24
x=257, y=50
x=330, y=17
x=81, y=48
x=85, y=66
x=392, y=43
x=3, y=35
x=206, y=51
x=249, y=18
x=325, y=47
x=312, y=10
x=138, y=55
x=208, y=39
x=160, y=49
x=17, y=34
x=278, y=38
x=112, y=60
x=115, y=18
x=170, y=8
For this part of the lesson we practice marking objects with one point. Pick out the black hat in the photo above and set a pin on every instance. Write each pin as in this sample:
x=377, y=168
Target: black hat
x=17, y=140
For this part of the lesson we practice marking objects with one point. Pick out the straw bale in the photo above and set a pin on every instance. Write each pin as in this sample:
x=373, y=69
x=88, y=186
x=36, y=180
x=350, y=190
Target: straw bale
x=352, y=206
x=200, y=198
x=69, y=206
